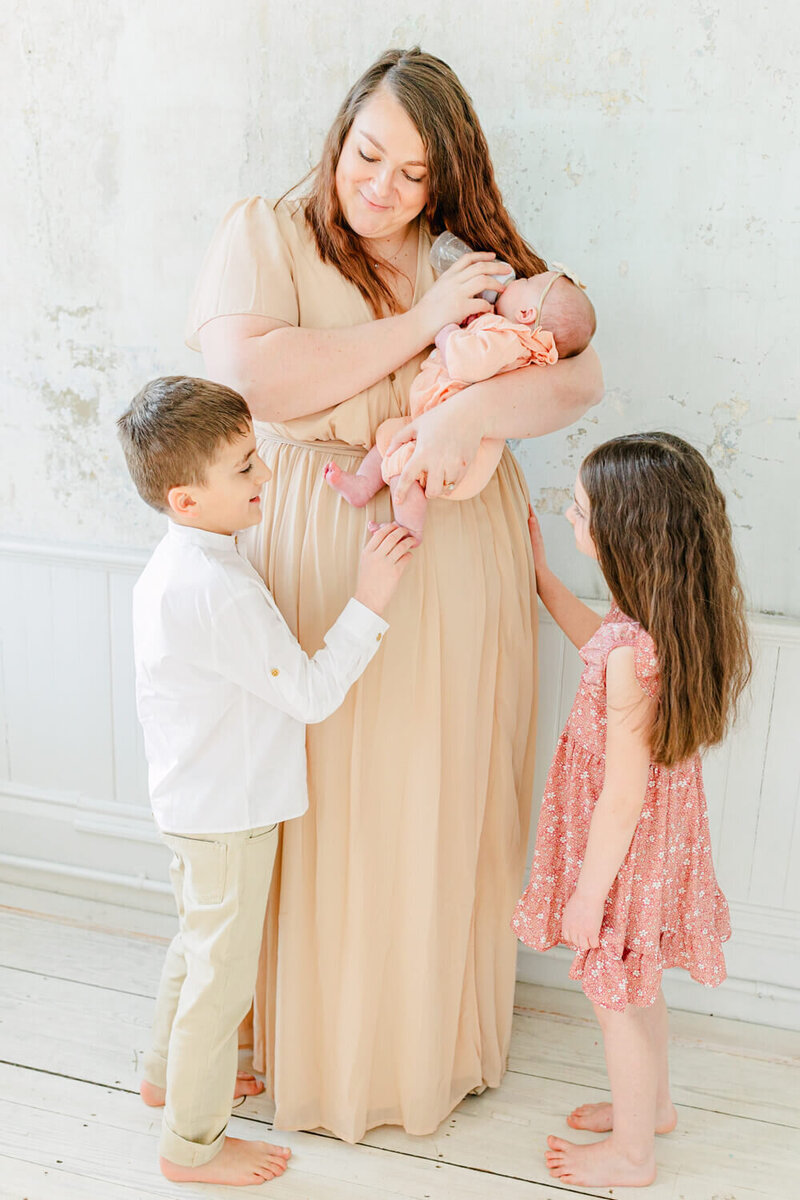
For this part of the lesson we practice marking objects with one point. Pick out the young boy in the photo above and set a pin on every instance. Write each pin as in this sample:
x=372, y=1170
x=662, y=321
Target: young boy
x=223, y=695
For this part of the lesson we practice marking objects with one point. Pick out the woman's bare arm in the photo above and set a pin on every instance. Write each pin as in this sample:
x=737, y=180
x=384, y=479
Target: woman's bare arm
x=286, y=371
x=535, y=400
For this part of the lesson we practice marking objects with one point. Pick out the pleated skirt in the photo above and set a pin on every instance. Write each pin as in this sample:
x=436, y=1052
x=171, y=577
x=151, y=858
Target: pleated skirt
x=386, y=981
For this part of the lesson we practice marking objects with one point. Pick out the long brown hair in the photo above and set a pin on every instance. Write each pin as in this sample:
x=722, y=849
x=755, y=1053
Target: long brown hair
x=663, y=541
x=463, y=195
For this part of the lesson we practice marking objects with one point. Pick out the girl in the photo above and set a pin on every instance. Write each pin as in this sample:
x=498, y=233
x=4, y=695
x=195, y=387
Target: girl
x=622, y=871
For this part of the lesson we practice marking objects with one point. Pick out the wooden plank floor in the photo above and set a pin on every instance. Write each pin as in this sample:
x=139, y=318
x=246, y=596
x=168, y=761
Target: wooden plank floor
x=77, y=980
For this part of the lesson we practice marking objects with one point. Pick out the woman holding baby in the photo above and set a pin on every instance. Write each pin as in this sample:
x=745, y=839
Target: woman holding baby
x=387, y=975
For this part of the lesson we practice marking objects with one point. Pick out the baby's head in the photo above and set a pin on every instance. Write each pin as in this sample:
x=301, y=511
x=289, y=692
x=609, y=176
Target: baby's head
x=191, y=453
x=551, y=301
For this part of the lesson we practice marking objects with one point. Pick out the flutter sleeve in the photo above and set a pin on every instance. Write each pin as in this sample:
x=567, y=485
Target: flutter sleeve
x=619, y=630
x=248, y=269
x=645, y=663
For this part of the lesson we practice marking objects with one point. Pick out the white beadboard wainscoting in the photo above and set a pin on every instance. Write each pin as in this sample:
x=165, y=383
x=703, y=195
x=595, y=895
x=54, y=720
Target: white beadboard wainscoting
x=74, y=813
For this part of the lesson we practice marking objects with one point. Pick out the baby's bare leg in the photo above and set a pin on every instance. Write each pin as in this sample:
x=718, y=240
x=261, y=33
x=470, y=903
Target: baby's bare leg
x=411, y=513
x=357, y=489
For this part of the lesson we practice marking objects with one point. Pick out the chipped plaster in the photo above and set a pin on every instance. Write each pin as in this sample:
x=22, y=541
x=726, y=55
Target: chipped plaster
x=653, y=147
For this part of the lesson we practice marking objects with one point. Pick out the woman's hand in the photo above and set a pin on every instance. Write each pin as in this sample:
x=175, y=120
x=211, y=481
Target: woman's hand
x=456, y=293
x=447, y=440
x=580, y=923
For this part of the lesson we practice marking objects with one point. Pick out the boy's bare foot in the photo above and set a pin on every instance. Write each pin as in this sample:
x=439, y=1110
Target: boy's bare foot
x=238, y=1164
x=600, y=1164
x=599, y=1118
x=246, y=1085
x=355, y=489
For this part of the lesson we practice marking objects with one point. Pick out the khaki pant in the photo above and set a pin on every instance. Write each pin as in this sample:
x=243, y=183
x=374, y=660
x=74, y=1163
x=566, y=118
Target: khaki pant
x=221, y=883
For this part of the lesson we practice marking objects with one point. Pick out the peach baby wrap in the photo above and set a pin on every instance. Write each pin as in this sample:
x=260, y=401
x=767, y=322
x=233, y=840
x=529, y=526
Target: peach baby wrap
x=487, y=346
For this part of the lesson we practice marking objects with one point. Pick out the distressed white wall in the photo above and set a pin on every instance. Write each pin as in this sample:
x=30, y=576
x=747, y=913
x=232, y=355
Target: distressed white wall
x=654, y=146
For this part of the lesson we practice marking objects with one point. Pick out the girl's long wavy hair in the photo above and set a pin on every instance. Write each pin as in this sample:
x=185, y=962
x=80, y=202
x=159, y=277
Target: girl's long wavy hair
x=463, y=195
x=663, y=541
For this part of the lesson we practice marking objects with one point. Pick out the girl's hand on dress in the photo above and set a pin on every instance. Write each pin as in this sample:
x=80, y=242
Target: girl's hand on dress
x=580, y=924
x=383, y=561
x=447, y=439
x=456, y=293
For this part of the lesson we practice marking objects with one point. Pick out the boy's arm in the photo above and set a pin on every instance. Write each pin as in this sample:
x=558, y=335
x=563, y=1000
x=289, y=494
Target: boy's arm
x=255, y=649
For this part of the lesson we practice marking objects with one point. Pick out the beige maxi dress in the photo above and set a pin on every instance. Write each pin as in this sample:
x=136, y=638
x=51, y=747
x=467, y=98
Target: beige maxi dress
x=386, y=981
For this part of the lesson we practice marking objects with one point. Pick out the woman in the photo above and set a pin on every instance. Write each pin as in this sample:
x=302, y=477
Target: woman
x=386, y=984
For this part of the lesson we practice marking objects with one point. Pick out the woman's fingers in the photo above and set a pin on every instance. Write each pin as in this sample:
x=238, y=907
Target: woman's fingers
x=407, y=434
x=474, y=256
x=435, y=485
x=408, y=476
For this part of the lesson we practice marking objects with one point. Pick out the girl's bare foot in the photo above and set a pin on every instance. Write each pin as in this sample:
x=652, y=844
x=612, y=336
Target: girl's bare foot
x=599, y=1118
x=238, y=1164
x=600, y=1164
x=246, y=1085
x=355, y=489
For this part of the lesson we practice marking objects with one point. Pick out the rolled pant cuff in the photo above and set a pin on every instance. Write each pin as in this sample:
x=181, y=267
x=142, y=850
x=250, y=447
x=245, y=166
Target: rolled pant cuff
x=154, y=1069
x=185, y=1153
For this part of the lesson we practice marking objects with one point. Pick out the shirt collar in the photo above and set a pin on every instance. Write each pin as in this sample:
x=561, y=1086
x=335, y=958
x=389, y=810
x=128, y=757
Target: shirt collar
x=187, y=535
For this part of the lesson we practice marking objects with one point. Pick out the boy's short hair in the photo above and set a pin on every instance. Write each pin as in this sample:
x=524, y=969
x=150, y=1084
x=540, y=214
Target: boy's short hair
x=172, y=432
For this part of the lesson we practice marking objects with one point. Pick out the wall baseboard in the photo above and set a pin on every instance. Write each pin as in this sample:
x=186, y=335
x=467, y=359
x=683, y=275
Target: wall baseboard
x=75, y=818
x=737, y=999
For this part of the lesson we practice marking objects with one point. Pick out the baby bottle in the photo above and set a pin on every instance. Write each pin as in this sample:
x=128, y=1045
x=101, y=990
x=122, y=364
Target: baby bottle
x=448, y=249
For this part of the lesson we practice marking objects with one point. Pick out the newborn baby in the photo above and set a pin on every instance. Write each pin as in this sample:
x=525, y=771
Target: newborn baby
x=536, y=321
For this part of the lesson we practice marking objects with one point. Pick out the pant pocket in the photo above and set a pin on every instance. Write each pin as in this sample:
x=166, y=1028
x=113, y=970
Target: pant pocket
x=256, y=835
x=204, y=865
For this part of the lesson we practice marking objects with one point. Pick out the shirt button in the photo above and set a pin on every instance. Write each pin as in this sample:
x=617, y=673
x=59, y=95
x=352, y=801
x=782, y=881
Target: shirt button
x=392, y=376
x=378, y=638
x=274, y=671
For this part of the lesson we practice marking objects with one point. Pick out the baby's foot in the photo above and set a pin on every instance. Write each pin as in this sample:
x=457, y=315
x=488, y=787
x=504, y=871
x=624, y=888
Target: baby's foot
x=355, y=488
x=246, y=1085
x=600, y=1164
x=599, y=1118
x=238, y=1164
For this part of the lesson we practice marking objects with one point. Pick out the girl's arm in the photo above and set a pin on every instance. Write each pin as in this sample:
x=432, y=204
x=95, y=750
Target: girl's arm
x=524, y=403
x=575, y=618
x=285, y=371
x=619, y=807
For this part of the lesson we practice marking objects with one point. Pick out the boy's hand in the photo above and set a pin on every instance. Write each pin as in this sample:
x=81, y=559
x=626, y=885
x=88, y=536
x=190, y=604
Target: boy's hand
x=537, y=542
x=580, y=924
x=383, y=560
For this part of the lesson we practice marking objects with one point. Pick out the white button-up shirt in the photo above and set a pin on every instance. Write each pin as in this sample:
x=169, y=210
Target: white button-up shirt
x=223, y=689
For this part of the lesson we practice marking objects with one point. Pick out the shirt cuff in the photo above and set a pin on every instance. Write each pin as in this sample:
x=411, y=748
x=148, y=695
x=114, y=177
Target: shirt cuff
x=361, y=622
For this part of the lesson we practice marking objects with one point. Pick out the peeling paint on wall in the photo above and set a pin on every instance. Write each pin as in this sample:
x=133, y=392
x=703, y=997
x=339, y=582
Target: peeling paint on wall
x=653, y=148
x=727, y=417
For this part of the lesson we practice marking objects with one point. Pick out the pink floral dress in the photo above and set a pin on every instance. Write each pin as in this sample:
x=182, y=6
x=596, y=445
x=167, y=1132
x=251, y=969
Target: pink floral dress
x=665, y=908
